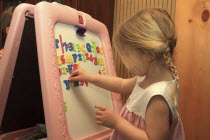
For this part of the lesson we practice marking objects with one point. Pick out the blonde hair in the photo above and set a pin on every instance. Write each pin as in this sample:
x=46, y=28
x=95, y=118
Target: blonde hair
x=148, y=31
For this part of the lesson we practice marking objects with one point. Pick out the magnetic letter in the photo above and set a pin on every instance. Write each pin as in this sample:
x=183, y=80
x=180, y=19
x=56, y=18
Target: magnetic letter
x=63, y=59
x=69, y=59
x=88, y=46
x=75, y=57
x=63, y=70
x=80, y=57
x=70, y=68
x=57, y=41
x=78, y=47
x=67, y=84
x=59, y=60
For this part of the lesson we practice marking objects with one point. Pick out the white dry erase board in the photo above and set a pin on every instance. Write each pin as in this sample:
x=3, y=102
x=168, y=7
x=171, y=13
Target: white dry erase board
x=66, y=39
x=79, y=97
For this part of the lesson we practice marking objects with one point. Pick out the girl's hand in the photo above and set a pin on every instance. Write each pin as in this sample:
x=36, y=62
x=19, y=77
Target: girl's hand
x=80, y=75
x=107, y=117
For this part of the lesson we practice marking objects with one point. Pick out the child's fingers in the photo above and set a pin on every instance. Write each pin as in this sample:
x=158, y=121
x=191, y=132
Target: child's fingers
x=99, y=122
x=74, y=79
x=74, y=73
x=101, y=107
x=98, y=112
x=99, y=118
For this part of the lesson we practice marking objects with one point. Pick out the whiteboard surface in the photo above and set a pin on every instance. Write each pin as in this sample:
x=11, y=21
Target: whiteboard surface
x=80, y=101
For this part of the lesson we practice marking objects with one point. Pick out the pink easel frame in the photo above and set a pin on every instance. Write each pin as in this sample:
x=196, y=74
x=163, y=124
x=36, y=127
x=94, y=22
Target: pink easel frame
x=46, y=15
x=11, y=49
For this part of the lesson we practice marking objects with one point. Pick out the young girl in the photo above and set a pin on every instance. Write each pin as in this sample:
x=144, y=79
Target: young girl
x=145, y=43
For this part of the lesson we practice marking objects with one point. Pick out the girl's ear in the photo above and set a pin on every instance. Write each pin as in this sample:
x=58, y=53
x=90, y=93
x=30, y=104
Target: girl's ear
x=7, y=30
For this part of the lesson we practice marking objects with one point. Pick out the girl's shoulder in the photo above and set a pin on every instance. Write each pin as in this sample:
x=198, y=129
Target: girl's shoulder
x=166, y=89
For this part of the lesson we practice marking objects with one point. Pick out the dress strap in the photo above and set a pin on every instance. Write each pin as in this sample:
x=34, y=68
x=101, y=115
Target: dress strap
x=139, y=79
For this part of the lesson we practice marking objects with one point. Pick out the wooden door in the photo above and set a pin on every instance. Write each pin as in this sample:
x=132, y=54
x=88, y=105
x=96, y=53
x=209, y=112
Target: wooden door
x=102, y=10
x=193, y=63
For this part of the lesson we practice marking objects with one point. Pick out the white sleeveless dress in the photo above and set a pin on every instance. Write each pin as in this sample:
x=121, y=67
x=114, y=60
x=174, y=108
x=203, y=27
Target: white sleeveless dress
x=134, y=111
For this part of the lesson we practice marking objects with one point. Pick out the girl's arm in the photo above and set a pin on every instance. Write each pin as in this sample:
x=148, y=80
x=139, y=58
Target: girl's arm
x=114, y=84
x=157, y=121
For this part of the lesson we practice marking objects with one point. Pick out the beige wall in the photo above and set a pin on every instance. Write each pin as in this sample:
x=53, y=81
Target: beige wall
x=126, y=8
